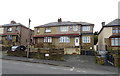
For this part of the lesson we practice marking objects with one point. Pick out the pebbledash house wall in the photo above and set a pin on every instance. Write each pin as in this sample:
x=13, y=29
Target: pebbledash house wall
x=105, y=34
x=69, y=48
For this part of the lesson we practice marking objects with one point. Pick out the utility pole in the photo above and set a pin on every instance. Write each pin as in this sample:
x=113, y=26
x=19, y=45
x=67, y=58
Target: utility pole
x=80, y=41
x=29, y=37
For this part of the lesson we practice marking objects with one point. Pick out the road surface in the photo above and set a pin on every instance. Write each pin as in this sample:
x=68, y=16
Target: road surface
x=18, y=67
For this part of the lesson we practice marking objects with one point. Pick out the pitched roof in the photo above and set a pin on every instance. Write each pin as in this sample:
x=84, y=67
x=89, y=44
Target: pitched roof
x=114, y=23
x=64, y=23
x=16, y=24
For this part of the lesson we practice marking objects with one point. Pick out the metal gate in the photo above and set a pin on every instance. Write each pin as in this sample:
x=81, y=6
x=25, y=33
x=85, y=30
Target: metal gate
x=110, y=59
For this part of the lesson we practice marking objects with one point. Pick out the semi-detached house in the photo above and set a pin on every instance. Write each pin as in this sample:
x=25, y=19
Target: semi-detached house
x=109, y=36
x=15, y=34
x=74, y=37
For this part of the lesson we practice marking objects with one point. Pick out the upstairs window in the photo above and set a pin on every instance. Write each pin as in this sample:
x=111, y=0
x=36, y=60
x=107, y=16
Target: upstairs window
x=17, y=28
x=75, y=28
x=48, y=29
x=9, y=29
x=38, y=30
x=64, y=39
x=116, y=30
x=86, y=28
x=48, y=39
x=86, y=39
x=64, y=28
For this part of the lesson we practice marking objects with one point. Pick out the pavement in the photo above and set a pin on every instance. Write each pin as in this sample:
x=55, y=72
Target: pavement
x=72, y=61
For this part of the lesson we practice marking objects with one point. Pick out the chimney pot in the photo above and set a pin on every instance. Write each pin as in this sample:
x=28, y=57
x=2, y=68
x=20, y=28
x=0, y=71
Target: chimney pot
x=59, y=20
x=103, y=23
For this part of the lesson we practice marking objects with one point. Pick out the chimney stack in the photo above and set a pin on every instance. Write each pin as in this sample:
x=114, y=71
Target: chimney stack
x=103, y=23
x=12, y=22
x=59, y=20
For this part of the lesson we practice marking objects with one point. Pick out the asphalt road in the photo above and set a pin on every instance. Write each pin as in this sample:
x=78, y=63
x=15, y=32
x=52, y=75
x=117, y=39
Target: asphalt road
x=18, y=67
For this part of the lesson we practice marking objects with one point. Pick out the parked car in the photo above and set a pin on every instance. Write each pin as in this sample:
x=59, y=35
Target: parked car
x=18, y=48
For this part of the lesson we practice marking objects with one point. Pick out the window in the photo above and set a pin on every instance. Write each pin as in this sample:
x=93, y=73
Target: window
x=9, y=29
x=64, y=28
x=64, y=39
x=17, y=38
x=38, y=30
x=47, y=30
x=115, y=41
x=75, y=28
x=86, y=28
x=86, y=39
x=9, y=37
x=116, y=30
x=48, y=39
x=17, y=28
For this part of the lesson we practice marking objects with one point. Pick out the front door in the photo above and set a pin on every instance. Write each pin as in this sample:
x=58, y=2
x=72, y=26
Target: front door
x=76, y=41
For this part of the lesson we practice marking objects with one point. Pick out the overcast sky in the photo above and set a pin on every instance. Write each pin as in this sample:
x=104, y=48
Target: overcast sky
x=44, y=11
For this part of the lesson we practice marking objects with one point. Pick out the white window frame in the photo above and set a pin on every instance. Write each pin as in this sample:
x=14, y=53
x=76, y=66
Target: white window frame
x=64, y=28
x=86, y=39
x=47, y=29
x=75, y=28
x=115, y=41
x=85, y=28
x=48, y=39
x=9, y=29
x=38, y=30
x=9, y=37
x=64, y=39
x=116, y=30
